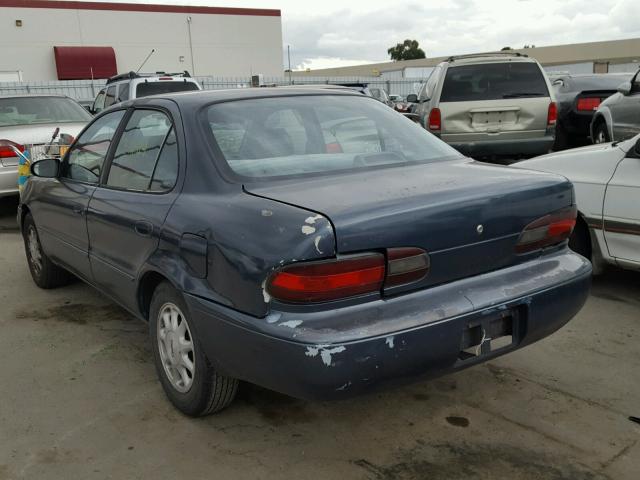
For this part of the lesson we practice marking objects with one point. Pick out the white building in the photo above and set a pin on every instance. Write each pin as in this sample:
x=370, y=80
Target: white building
x=212, y=41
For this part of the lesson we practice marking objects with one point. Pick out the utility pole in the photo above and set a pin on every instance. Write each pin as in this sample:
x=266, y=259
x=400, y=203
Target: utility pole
x=289, y=59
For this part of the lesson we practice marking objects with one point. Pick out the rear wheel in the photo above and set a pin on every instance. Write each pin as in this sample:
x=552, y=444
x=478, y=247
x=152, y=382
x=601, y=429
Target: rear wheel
x=562, y=141
x=600, y=133
x=186, y=374
x=44, y=272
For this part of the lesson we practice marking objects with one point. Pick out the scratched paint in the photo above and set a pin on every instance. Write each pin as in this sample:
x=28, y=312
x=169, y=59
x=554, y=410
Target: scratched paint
x=325, y=352
x=389, y=341
x=316, y=242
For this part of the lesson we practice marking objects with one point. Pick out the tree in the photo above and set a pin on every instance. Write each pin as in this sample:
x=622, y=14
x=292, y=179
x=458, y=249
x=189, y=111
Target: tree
x=407, y=50
x=503, y=49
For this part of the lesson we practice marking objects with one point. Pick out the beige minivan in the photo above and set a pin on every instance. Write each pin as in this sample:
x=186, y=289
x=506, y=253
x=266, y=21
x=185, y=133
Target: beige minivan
x=484, y=105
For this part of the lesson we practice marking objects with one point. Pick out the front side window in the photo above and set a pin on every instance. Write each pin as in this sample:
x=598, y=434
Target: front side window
x=295, y=135
x=16, y=111
x=86, y=158
x=493, y=81
x=146, y=156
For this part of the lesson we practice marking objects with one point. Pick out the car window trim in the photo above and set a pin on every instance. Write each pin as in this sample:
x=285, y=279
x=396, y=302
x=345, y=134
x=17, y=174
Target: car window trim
x=65, y=159
x=108, y=160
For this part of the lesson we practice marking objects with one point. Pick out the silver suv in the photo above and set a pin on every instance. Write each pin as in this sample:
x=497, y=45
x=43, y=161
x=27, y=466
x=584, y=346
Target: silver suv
x=489, y=105
x=128, y=86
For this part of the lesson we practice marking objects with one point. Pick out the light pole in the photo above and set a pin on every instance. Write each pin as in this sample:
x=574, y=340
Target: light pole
x=193, y=67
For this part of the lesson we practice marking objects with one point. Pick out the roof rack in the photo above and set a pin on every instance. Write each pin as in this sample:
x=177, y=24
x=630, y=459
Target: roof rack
x=130, y=75
x=488, y=54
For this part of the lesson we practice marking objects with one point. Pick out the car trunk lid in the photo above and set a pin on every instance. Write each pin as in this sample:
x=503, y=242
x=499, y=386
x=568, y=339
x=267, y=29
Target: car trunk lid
x=467, y=215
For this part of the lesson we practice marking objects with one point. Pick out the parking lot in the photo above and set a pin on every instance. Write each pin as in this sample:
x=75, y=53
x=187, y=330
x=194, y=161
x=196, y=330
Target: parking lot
x=80, y=399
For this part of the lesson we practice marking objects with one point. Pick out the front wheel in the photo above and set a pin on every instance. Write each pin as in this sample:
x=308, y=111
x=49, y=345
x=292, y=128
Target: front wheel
x=186, y=374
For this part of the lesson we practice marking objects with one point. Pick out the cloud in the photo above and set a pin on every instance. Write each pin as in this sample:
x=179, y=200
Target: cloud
x=358, y=34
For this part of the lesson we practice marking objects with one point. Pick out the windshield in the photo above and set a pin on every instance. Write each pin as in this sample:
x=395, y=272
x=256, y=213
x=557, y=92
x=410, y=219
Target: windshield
x=274, y=137
x=156, y=88
x=493, y=81
x=16, y=111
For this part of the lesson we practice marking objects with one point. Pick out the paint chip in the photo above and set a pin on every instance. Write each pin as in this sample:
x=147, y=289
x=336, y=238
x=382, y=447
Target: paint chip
x=290, y=323
x=307, y=230
x=312, y=220
x=265, y=294
x=317, y=243
x=267, y=213
x=325, y=352
x=389, y=341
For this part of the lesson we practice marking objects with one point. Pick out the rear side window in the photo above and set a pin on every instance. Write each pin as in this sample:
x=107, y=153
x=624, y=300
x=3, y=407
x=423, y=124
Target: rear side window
x=146, y=157
x=493, y=81
x=110, y=99
x=144, y=89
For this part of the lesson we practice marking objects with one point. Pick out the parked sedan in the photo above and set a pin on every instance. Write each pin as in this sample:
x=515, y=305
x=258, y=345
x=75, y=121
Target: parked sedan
x=32, y=120
x=313, y=242
x=607, y=185
x=578, y=97
x=618, y=117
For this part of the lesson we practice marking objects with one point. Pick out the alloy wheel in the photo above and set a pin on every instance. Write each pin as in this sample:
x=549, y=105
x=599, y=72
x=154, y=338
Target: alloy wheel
x=175, y=344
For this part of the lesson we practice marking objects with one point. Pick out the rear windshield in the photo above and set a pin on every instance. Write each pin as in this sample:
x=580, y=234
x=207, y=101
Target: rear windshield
x=164, y=86
x=16, y=111
x=282, y=136
x=493, y=81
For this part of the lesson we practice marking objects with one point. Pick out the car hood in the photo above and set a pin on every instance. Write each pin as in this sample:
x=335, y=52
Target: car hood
x=39, y=133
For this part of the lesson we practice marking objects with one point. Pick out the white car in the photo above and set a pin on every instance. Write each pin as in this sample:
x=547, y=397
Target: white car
x=606, y=178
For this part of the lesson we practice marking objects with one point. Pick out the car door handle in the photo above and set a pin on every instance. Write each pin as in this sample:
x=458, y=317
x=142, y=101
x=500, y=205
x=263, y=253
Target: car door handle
x=78, y=209
x=143, y=228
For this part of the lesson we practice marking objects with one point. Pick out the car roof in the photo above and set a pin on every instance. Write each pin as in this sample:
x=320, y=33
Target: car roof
x=35, y=95
x=202, y=97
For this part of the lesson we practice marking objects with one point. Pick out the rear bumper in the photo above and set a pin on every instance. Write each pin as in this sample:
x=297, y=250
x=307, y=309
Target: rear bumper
x=8, y=181
x=347, y=351
x=516, y=147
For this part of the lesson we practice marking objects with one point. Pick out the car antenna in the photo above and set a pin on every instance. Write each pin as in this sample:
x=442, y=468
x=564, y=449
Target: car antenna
x=145, y=60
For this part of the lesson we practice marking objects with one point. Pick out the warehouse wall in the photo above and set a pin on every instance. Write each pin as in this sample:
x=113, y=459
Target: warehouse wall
x=226, y=45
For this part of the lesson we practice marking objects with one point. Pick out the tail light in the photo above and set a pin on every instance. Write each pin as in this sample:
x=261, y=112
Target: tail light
x=406, y=265
x=549, y=230
x=334, y=147
x=552, y=114
x=435, y=120
x=328, y=280
x=7, y=149
x=588, y=104
x=348, y=276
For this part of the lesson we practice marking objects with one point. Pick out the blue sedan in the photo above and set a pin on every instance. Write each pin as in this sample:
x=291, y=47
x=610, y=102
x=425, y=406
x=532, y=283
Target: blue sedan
x=314, y=242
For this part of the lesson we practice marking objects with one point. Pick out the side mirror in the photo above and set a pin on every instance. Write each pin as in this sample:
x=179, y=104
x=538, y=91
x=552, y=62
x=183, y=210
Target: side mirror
x=46, y=168
x=412, y=98
x=625, y=88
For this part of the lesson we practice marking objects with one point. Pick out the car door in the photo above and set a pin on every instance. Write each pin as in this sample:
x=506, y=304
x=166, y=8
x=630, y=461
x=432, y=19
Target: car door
x=621, y=212
x=128, y=208
x=60, y=208
x=626, y=112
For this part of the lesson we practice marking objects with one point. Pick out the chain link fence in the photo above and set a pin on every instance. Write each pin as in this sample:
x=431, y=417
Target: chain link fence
x=88, y=89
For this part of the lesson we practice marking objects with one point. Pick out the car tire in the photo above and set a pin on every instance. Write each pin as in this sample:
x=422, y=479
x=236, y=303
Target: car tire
x=44, y=272
x=600, y=133
x=580, y=240
x=187, y=376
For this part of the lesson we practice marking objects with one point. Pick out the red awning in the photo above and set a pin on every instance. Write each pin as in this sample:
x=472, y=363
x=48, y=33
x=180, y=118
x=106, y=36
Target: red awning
x=85, y=63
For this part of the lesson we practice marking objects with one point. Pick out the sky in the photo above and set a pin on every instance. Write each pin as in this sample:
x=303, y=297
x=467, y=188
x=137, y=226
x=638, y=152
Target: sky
x=331, y=33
